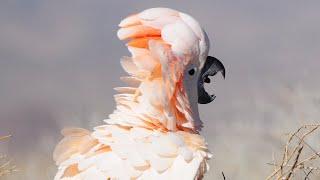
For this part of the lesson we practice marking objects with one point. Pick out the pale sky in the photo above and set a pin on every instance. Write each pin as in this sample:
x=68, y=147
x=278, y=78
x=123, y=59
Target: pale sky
x=59, y=62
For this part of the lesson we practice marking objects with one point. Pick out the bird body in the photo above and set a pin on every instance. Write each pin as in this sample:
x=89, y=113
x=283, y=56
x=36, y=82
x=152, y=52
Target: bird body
x=154, y=131
x=117, y=152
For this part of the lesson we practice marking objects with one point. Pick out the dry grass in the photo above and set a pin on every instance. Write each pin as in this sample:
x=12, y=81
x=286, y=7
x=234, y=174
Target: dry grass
x=6, y=166
x=299, y=160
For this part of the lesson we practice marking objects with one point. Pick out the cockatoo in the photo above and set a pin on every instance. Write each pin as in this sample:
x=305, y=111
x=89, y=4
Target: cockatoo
x=154, y=131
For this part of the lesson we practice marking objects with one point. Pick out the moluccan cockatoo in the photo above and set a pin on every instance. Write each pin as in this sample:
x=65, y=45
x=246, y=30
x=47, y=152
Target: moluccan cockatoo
x=154, y=131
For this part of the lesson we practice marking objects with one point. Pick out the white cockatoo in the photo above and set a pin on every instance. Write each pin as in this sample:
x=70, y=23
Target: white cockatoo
x=154, y=131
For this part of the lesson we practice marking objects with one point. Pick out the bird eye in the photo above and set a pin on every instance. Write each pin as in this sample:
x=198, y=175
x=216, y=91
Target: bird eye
x=192, y=71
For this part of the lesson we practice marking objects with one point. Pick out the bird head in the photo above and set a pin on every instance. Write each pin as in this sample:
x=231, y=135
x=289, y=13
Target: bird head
x=168, y=68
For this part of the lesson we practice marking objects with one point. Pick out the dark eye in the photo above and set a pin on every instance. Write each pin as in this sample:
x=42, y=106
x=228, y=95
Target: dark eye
x=192, y=71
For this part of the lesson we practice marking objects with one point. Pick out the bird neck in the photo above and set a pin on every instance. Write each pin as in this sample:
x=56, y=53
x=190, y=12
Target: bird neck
x=156, y=105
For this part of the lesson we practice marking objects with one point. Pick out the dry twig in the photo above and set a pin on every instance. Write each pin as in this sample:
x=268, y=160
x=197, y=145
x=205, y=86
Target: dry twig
x=6, y=166
x=291, y=162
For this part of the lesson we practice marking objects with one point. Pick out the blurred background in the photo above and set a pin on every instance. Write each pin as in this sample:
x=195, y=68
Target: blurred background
x=59, y=62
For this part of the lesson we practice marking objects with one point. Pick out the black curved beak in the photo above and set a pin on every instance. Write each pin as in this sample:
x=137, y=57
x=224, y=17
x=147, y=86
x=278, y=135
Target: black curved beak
x=211, y=67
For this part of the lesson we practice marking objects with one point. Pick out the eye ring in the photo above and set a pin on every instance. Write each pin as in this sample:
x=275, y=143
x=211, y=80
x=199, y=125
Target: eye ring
x=192, y=71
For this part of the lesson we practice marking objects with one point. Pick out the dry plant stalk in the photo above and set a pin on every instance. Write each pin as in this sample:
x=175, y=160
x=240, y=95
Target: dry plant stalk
x=5, y=165
x=296, y=159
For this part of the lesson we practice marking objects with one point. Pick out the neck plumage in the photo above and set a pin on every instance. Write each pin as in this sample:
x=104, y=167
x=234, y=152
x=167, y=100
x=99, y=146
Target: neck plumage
x=155, y=97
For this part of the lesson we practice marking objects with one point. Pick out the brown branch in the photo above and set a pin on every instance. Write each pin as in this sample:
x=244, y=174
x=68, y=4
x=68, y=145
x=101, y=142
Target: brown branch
x=295, y=163
x=290, y=161
x=4, y=137
x=224, y=177
x=5, y=165
x=307, y=175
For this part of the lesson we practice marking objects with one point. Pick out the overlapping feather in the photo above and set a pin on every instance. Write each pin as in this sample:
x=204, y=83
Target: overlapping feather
x=151, y=134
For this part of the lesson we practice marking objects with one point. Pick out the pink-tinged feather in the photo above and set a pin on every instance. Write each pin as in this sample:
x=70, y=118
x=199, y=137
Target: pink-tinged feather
x=137, y=31
x=152, y=133
x=130, y=21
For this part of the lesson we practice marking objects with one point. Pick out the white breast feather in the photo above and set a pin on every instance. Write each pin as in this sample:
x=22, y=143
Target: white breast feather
x=141, y=139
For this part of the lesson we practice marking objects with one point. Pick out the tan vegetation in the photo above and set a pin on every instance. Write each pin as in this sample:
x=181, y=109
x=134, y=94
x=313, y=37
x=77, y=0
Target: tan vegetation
x=300, y=158
x=6, y=166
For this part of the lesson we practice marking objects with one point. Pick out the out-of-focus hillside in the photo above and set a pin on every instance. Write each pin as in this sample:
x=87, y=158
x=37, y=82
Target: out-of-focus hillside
x=59, y=62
